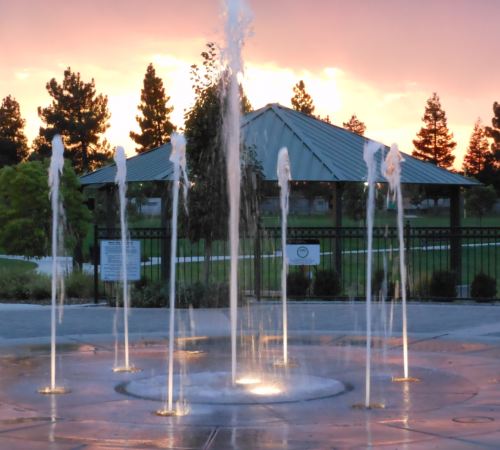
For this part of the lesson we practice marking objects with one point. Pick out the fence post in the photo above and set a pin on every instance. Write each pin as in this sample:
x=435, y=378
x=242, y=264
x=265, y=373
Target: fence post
x=257, y=261
x=96, y=262
x=407, y=268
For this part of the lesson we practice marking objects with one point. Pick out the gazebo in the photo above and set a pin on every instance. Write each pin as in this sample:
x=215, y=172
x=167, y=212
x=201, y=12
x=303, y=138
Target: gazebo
x=318, y=151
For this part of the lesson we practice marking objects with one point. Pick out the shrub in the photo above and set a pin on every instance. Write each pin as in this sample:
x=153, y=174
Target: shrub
x=297, y=283
x=483, y=286
x=422, y=287
x=14, y=283
x=327, y=283
x=378, y=280
x=79, y=285
x=40, y=288
x=141, y=283
x=198, y=295
x=443, y=284
x=152, y=295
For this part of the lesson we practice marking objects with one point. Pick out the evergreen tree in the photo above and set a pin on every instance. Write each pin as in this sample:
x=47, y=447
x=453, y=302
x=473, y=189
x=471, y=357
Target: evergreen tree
x=302, y=101
x=477, y=151
x=355, y=125
x=494, y=131
x=155, y=124
x=490, y=174
x=13, y=141
x=245, y=104
x=434, y=141
x=81, y=117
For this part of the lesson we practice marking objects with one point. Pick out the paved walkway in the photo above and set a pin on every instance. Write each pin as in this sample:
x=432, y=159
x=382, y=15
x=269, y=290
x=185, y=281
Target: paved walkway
x=467, y=322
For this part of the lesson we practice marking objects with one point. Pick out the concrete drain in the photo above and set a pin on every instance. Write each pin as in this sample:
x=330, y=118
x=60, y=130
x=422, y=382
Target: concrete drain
x=473, y=419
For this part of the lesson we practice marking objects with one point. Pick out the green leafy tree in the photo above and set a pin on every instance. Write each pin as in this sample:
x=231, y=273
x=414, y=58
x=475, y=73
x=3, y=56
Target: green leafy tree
x=480, y=200
x=355, y=125
x=477, y=151
x=355, y=198
x=81, y=117
x=155, y=123
x=415, y=194
x=434, y=141
x=207, y=198
x=302, y=101
x=13, y=141
x=26, y=212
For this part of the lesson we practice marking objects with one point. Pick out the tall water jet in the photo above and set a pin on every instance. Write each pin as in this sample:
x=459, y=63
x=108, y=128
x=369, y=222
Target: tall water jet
x=238, y=19
x=121, y=177
x=369, y=156
x=178, y=159
x=284, y=176
x=391, y=169
x=55, y=171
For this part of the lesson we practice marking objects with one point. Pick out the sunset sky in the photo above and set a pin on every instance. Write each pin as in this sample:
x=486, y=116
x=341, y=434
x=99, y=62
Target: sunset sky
x=380, y=59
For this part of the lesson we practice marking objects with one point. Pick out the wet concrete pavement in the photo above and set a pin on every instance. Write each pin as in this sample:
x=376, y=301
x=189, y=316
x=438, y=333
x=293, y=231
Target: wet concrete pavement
x=454, y=349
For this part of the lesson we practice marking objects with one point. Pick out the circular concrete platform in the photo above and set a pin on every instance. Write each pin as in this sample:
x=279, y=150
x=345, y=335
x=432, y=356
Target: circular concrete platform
x=315, y=401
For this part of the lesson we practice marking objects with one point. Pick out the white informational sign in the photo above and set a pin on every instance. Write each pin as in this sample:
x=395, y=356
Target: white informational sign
x=302, y=254
x=111, y=260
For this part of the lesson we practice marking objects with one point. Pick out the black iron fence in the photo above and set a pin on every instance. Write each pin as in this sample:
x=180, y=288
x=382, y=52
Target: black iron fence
x=466, y=251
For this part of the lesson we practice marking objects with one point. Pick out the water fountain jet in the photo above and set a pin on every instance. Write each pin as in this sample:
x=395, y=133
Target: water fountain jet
x=391, y=169
x=238, y=19
x=284, y=176
x=178, y=159
x=121, y=177
x=55, y=172
x=369, y=156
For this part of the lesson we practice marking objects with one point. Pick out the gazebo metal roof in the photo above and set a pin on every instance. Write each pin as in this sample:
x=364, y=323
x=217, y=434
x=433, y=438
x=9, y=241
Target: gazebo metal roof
x=318, y=151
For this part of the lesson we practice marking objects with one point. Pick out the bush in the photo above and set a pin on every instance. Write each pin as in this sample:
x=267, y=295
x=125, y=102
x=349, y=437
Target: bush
x=443, y=284
x=378, y=280
x=198, y=295
x=152, y=295
x=422, y=287
x=40, y=287
x=79, y=285
x=297, y=283
x=141, y=283
x=14, y=283
x=483, y=286
x=327, y=283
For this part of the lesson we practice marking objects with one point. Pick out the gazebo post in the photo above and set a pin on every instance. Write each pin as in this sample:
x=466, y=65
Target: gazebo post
x=455, y=241
x=165, y=242
x=338, y=189
x=110, y=205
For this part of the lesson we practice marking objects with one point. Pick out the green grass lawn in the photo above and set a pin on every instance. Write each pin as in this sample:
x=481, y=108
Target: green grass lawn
x=15, y=264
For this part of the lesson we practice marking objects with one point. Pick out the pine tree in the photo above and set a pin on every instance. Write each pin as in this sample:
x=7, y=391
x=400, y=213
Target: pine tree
x=491, y=171
x=245, y=104
x=13, y=141
x=477, y=151
x=355, y=125
x=434, y=141
x=81, y=117
x=155, y=123
x=302, y=101
x=494, y=131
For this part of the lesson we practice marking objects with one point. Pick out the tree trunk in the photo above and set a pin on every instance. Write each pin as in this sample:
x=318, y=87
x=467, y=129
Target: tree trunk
x=208, y=258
